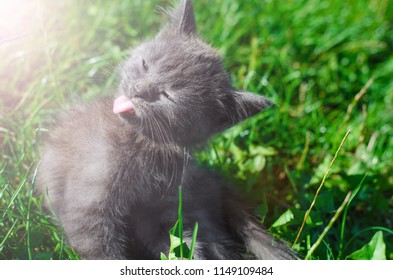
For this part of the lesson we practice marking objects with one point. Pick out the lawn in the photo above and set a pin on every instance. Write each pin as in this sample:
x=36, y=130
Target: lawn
x=327, y=65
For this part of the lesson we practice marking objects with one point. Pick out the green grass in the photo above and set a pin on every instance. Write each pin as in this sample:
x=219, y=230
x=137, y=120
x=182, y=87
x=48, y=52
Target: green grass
x=328, y=65
x=178, y=249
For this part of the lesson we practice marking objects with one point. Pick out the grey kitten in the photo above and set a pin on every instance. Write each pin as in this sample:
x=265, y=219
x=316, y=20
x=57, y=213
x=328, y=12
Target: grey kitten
x=112, y=168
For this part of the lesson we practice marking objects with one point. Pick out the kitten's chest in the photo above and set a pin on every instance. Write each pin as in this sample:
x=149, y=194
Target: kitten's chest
x=143, y=175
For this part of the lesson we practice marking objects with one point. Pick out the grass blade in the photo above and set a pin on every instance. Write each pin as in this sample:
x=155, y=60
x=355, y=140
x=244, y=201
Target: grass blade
x=355, y=192
x=193, y=241
x=180, y=215
x=325, y=231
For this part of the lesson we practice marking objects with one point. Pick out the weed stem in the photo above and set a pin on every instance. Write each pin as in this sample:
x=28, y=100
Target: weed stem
x=319, y=188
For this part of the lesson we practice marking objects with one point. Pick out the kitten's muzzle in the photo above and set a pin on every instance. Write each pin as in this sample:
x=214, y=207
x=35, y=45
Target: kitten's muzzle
x=146, y=91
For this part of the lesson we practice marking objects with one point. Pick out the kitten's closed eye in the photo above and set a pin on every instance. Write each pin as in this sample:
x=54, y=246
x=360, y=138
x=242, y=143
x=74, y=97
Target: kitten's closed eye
x=165, y=94
x=145, y=66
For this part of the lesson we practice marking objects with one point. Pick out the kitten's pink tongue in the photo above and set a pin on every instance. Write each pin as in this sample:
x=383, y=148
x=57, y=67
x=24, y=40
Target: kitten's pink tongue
x=122, y=104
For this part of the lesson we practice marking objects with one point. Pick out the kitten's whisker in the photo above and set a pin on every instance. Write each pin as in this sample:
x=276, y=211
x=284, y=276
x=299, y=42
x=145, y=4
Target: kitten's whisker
x=166, y=138
x=153, y=158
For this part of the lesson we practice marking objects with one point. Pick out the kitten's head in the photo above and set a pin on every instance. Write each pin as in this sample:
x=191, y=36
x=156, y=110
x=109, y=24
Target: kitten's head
x=174, y=88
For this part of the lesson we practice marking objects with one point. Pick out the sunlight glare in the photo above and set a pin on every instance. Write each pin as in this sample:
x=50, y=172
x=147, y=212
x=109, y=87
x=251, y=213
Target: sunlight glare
x=16, y=17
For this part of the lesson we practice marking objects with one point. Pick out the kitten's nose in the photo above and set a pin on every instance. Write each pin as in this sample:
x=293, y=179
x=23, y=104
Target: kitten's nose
x=145, y=90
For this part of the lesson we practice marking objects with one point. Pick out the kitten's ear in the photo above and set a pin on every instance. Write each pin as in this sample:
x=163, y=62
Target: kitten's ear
x=248, y=104
x=183, y=19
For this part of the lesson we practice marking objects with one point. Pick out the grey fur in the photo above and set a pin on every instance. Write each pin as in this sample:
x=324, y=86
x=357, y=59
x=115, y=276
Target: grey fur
x=113, y=179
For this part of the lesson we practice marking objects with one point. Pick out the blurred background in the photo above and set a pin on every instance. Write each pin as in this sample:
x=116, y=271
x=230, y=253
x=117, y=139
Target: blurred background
x=328, y=66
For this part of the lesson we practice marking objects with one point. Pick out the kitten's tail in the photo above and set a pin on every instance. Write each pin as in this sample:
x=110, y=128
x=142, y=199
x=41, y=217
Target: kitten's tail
x=256, y=239
x=262, y=244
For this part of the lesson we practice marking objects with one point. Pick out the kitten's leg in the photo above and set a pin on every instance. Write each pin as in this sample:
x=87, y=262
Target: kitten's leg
x=219, y=251
x=95, y=236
